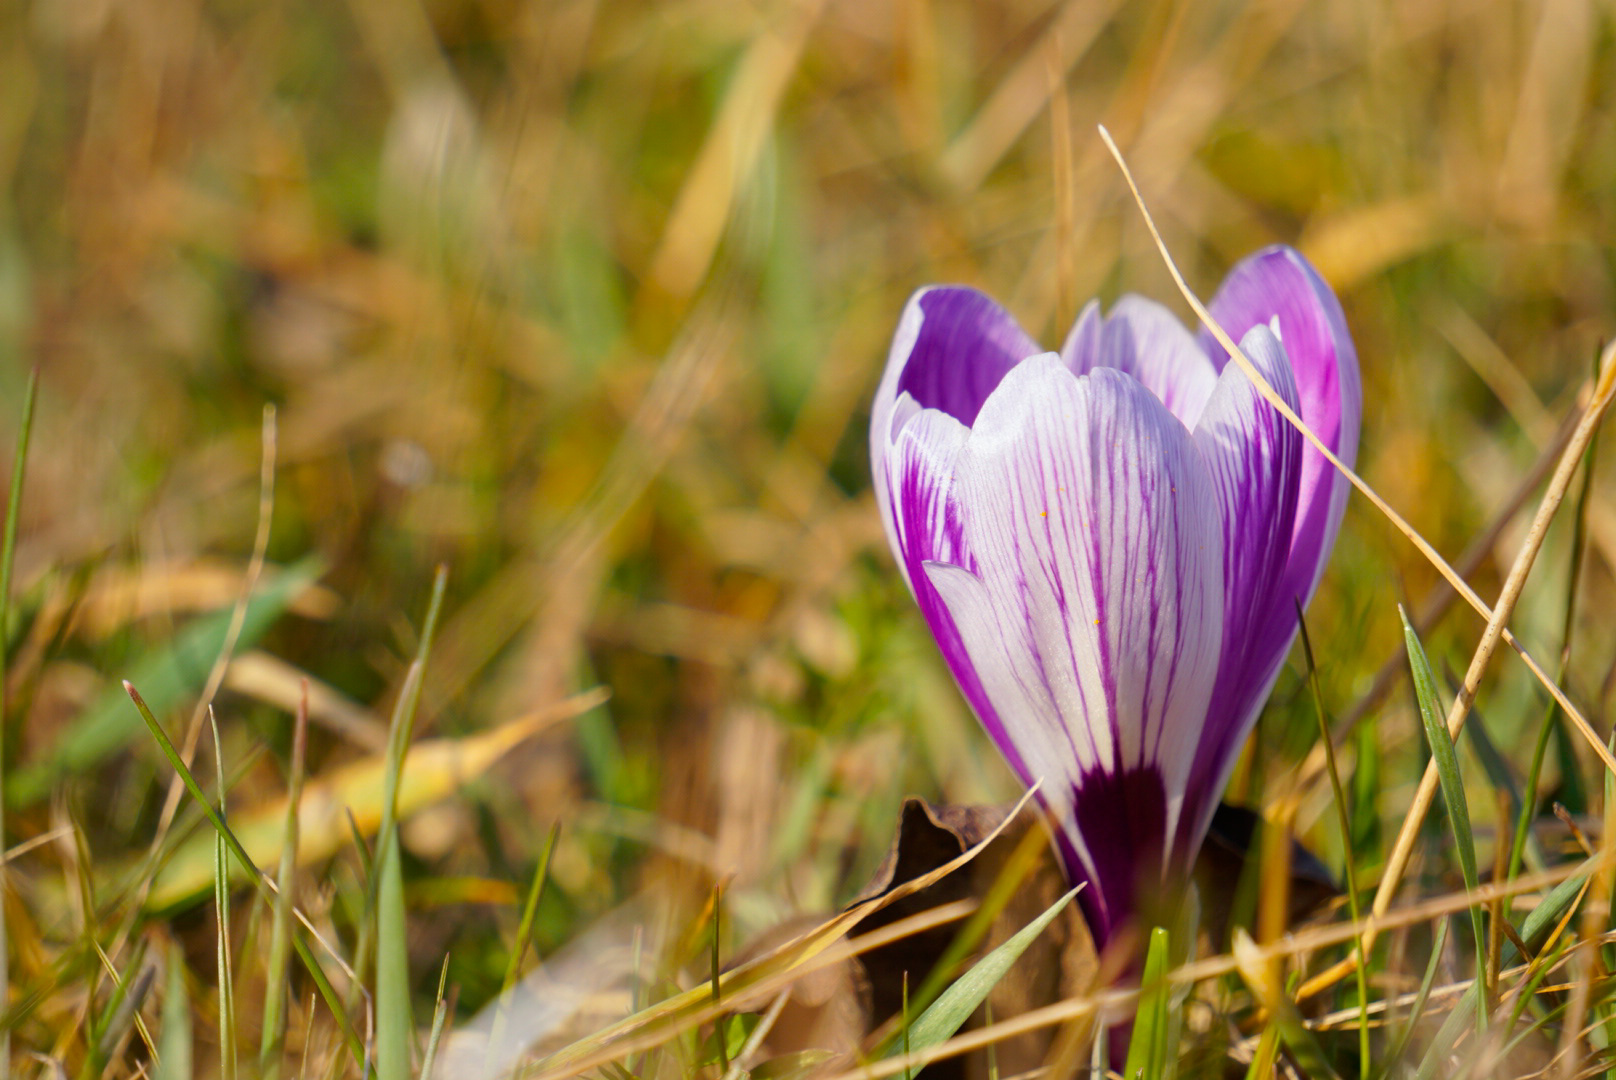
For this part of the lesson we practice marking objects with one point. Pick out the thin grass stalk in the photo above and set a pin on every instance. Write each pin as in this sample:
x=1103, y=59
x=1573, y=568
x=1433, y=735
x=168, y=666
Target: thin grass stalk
x=1549, y=956
x=1587, y=961
x=78, y=863
x=440, y=1015
x=273, y=1041
x=1527, y=993
x=765, y=1025
x=174, y=1046
x=1439, y=600
x=524, y=931
x=718, y=971
x=221, y=901
x=328, y=994
x=8, y=552
x=123, y=1014
x=238, y=617
x=400, y=730
x=1579, y=545
x=1344, y=820
x=1399, y=1045
x=1445, y=760
x=395, y=1022
x=1495, y=910
x=113, y=1020
x=1605, y=890
x=1266, y=1056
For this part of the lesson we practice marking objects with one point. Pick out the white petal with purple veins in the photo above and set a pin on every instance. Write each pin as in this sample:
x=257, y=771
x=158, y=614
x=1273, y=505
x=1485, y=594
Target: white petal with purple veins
x=1147, y=341
x=1255, y=458
x=1095, y=611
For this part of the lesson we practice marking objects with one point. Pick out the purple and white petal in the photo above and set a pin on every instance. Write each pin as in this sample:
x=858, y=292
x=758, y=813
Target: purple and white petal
x=1095, y=609
x=1278, y=287
x=1115, y=595
x=926, y=528
x=1255, y=457
x=952, y=347
x=1147, y=341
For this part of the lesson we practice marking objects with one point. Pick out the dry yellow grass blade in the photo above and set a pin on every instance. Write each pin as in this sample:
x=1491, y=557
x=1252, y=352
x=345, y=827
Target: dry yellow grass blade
x=1017, y=100
x=258, y=675
x=120, y=595
x=432, y=771
x=731, y=149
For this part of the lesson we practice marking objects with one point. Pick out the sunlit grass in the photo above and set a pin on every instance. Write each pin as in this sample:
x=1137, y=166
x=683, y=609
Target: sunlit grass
x=584, y=302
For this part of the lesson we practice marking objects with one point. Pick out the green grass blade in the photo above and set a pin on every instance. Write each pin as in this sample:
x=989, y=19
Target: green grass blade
x=1032, y=847
x=1262, y=976
x=1150, y=1053
x=1453, y=793
x=273, y=1039
x=395, y=1025
x=1266, y=1057
x=328, y=994
x=524, y=931
x=128, y=993
x=1022, y=861
x=956, y=1004
x=1366, y=792
x=174, y=1043
x=167, y=675
x=1529, y=797
x=1394, y=1053
x=530, y=910
x=1344, y=819
x=440, y=1014
x=401, y=728
x=221, y=900
x=395, y=1022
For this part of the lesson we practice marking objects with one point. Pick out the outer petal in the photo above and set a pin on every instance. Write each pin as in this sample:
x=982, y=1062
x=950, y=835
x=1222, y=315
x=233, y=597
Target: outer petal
x=1148, y=342
x=1255, y=457
x=952, y=348
x=1277, y=283
x=1093, y=610
x=926, y=527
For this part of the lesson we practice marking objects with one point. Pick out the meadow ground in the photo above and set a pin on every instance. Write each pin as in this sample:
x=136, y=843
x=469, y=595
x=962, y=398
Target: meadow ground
x=584, y=301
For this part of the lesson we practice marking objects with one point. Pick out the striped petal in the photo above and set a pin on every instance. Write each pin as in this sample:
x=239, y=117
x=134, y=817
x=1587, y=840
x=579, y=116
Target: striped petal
x=952, y=348
x=926, y=528
x=1255, y=457
x=1092, y=607
x=1148, y=342
x=1277, y=286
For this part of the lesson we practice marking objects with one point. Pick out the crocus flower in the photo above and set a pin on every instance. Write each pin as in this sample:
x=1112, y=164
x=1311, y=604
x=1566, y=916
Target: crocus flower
x=1109, y=542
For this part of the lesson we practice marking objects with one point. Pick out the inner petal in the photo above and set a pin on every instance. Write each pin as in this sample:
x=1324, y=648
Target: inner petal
x=1147, y=341
x=963, y=347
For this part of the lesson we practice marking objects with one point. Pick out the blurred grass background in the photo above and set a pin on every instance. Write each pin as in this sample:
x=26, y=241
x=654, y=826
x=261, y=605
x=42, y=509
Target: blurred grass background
x=586, y=299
